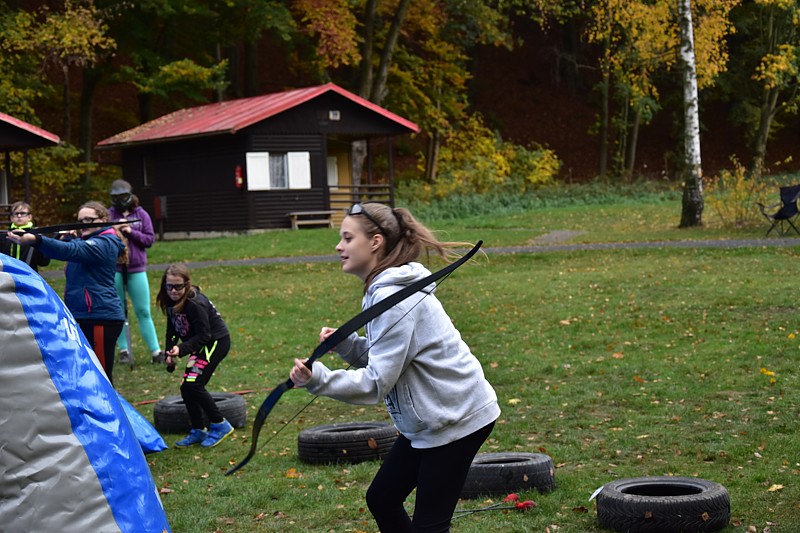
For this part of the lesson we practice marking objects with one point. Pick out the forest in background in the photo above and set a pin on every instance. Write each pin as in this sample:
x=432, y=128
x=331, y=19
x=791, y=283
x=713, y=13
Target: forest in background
x=597, y=83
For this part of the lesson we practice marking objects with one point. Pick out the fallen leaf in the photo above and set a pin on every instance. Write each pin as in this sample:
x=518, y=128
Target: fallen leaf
x=164, y=490
x=373, y=444
x=292, y=473
x=514, y=401
x=565, y=322
x=617, y=355
x=774, y=488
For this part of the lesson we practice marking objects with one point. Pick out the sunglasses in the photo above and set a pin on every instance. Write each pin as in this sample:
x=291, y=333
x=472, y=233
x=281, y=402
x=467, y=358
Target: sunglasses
x=88, y=220
x=175, y=286
x=21, y=213
x=358, y=209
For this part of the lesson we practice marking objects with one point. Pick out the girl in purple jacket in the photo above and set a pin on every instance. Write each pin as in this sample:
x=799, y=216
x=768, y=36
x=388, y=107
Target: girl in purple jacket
x=131, y=277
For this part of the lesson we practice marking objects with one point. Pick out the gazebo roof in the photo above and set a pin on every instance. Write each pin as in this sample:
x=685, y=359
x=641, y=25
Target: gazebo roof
x=16, y=135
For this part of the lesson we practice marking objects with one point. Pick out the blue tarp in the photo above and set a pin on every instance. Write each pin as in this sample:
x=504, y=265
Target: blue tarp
x=69, y=458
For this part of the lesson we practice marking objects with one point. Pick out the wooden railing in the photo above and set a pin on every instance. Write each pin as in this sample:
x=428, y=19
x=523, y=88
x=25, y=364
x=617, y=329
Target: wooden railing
x=343, y=196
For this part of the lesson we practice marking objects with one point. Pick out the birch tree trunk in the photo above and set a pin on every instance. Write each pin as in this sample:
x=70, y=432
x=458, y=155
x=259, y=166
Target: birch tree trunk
x=692, y=208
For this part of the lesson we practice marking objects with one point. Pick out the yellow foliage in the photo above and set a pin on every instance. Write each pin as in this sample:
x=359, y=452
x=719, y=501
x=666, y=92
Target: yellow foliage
x=733, y=196
x=473, y=160
x=779, y=69
x=637, y=41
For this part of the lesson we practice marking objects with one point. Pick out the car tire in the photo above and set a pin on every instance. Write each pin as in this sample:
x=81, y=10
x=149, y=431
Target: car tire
x=504, y=473
x=170, y=414
x=663, y=504
x=346, y=442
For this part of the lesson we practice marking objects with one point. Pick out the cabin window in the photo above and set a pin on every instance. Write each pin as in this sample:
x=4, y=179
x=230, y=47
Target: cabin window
x=278, y=170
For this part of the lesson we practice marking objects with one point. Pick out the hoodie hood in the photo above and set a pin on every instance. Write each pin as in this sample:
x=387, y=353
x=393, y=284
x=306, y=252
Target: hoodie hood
x=401, y=276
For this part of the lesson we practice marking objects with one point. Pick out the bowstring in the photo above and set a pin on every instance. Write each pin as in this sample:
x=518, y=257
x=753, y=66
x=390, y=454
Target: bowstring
x=361, y=356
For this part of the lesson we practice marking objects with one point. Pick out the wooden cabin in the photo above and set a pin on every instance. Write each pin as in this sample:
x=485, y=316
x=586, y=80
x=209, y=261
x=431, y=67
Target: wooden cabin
x=247, y=164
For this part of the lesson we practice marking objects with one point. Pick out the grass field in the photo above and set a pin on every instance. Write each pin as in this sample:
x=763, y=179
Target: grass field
x=616, y=363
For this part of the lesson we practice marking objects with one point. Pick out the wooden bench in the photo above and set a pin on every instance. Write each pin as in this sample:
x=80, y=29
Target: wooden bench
x=311, y=218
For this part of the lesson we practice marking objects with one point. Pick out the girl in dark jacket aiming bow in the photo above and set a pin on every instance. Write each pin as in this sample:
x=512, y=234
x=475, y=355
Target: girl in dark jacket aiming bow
x=89, y=291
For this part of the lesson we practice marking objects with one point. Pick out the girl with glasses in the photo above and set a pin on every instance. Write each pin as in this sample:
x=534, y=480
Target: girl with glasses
x=204, y=338
x=131, y=277
x=22, y=219
x=89, y=292
x=414, y=359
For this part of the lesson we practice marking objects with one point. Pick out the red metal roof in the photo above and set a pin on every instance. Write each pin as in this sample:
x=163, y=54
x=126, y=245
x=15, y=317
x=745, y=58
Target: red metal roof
x=22, y=135
x=234, y=115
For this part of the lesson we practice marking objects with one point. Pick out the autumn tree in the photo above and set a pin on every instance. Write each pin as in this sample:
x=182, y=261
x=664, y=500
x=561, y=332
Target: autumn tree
x=72, y=38
x=419, y=49
x=639, y=41
x=765, y=76
x=432, y=66
x=21, y=79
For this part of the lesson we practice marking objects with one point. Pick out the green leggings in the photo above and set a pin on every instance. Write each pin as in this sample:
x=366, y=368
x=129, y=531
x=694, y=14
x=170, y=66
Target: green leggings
x=139, y=293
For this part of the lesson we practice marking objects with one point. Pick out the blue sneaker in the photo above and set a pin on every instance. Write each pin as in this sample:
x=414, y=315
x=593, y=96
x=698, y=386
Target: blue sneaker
x=195, y=436
x=217, y=433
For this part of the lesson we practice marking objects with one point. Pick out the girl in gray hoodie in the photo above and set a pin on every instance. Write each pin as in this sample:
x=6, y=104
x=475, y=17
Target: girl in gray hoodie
x=412, y=358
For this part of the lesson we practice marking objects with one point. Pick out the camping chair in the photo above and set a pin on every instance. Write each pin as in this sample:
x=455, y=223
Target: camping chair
x=783, y=218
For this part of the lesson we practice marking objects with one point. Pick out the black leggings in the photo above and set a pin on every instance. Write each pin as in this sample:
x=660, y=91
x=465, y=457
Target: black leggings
x=438, y=475
x=199, y=369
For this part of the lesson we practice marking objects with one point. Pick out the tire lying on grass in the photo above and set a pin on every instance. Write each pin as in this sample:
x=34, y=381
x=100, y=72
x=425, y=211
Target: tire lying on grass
x=170, y=414
x=346, y=442
x=503, y=473
x=663, y=504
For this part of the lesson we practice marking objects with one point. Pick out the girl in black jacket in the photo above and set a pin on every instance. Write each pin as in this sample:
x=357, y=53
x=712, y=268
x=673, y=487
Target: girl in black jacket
x=192, y=318
x=22, y=219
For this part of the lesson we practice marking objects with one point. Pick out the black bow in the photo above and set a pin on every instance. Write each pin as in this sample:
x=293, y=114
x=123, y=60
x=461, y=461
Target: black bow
x=344, y=331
